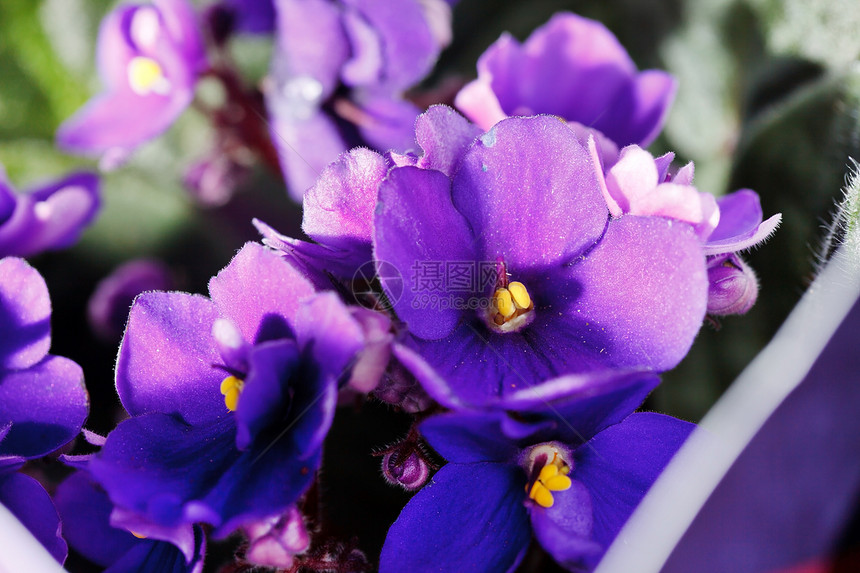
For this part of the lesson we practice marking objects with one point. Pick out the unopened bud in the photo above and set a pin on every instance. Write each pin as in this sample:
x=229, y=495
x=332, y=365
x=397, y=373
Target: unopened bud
x=733, y=286
x=406, y=467
x=273, y=542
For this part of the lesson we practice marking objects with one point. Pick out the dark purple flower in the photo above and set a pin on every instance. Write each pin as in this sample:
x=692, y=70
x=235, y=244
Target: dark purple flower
x=571, y=471
x=338, y=74
x=149, y=56
x=574, y=68
x=108, y=538
x=230, y=397
x=50, y=216
x=43, y=402
x=251, y=16
x=108, y=307
x=555, y=285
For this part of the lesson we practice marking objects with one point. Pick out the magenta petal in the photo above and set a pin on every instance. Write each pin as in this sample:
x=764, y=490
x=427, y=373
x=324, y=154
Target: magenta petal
x=650, y=321
x=515, y=195
x=25, y=314
x=47, y=405
x=338, y=209
x=167, y=359
x=260, y=293
x=441, y=529
x=417, y=225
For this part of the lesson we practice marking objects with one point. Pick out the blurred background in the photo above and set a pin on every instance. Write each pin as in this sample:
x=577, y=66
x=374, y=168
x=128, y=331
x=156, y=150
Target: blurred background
x=769, y=95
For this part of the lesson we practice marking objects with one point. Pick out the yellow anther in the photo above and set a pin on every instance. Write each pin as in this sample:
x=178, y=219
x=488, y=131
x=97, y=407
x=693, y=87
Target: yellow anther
x=552, y=477
x=231, y=388
x=503, y=302
x=145, y=75
x=541, y=495
x=520, y=295
x=138, y=535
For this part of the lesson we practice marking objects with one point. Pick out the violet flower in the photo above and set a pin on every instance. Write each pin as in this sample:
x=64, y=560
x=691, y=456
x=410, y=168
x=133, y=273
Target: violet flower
x=570, y=467
x=230, y=397
x=99, y=533
x=43, y=402
x=338, y=74
x=537, y=280
x=50, y=216
x=150, y=56
x=574, y=68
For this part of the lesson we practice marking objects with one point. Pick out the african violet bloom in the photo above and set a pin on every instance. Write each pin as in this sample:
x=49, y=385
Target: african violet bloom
x=149, y=56
x=230, y=397
x=570, y=468
x=50, y=216
x=43, y=402
x=575, y=68
x=515, y=262
x=108, y=538
x=338, y=74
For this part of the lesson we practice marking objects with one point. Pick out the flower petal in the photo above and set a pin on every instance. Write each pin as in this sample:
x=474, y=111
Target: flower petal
x=167, y=358
x=466, y=437
x=444, y=135
x=470, y=517
x=47, y=405
x=25, y=314
x=530, y=192
x=564, y=530
x=31, y=504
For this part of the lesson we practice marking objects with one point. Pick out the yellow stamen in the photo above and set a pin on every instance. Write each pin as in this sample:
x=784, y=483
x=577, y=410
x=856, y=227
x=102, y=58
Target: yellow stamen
x=503, y=303
x=511, y=308
x=145, y=76
x=231, y=388
x=138, y=535
x=552, y=477
x=520, y=295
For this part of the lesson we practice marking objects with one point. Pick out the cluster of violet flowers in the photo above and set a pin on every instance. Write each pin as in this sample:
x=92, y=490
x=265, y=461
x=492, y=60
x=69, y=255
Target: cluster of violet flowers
x=514, y=271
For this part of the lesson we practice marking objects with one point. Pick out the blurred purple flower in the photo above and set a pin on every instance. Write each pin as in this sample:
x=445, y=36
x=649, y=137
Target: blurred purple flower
x=149, y=56
x=107, y=310
x=50, y=216
x=43, y=401
x=557, y=285
x=240, y=389
x=574, y=68
x=338, y=74
x=569, y=470
x=107, y=538
x=275, y=541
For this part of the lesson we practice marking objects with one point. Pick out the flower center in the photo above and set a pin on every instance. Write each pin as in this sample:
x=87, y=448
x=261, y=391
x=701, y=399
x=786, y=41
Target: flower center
x=552, y=476
x=511, y=308
x=145, y=76
x=231, y=388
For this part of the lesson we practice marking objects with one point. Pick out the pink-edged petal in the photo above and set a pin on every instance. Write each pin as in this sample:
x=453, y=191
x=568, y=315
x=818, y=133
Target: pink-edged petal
x=534, y=204
x=167, y=358
x=260, y=293
x=477, y=101
x=416, y=224
x=338, y=209
x=47, y=405
x=25, y=314
x=650, y=321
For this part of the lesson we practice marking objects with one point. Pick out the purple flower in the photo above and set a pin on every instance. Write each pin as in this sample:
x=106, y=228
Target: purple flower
x=338, y=72
x=230, y=396
x=108, y=538
x=575, y=68
x=43, y=402
x=555, y=284
x=47, y=217
x=571, y=471
x=149, y=56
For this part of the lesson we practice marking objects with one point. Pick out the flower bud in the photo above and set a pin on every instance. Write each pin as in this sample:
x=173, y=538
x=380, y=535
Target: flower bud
x=406, y=466
x=733, y=287
x=273, y=542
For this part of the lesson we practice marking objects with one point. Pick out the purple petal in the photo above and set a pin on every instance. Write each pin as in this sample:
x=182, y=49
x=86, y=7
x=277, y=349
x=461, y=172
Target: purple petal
x=31, y=504
x=643, y=292
x=188, y=540
x=639, y=111
x=182, y=25
x=25, y=314
x=338, y=209
x=564, y=530
x=416, y=224
x=444, y=135
x=533, y=204
x=326, y=326
x=466, y=437
x=365, y=65
x=620, y=463
x=387, y=122
x=254, y=16
x=167, y=358
x=47, y=405
x=266, y=395
x=52, y=216
x=85, y=510
x=440, y=529
x=7, y=197
x=740, y=225
x=260, y=293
